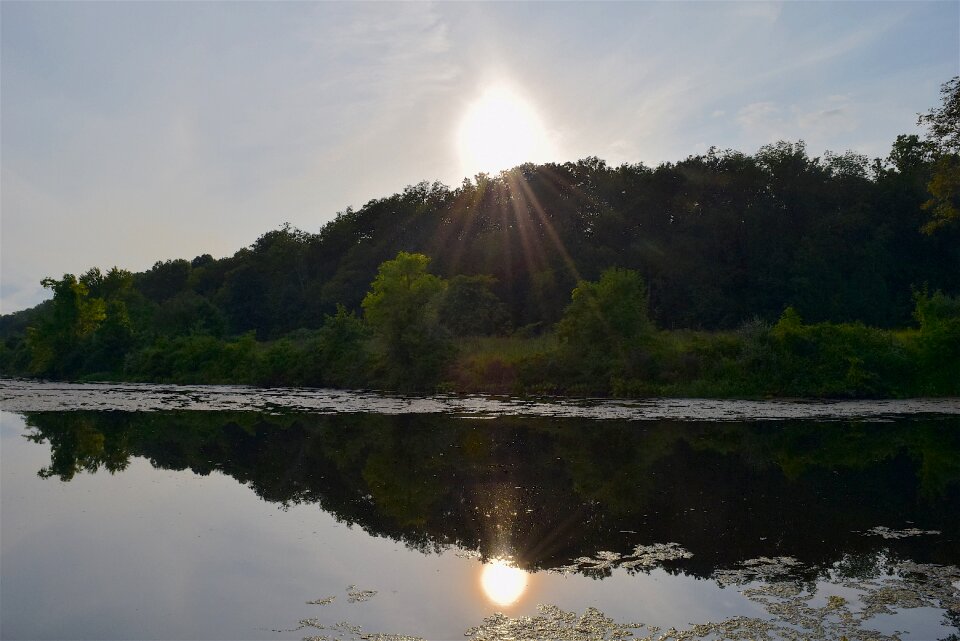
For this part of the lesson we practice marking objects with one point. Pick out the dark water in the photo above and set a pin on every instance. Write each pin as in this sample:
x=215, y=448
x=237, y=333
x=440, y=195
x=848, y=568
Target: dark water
x=276, y=523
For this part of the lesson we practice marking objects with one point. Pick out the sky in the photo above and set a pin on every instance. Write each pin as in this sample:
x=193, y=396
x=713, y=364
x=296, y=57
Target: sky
x=132, y=132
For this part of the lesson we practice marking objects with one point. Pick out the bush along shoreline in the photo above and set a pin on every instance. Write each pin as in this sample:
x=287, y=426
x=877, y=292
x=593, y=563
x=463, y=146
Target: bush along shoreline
x=419, y=333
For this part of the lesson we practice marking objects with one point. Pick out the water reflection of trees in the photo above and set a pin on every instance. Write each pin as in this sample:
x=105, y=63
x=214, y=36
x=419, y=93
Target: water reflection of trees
x=548, y=491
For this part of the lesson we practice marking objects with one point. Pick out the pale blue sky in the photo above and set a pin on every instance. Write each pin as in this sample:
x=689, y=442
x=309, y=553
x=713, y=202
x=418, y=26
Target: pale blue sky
x=134, y=132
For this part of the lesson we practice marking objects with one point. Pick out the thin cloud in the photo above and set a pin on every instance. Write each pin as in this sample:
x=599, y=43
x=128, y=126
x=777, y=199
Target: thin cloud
x=770, y=121
x=758, y=115
x=768, y=12
x=396, y=51
x=812, y=54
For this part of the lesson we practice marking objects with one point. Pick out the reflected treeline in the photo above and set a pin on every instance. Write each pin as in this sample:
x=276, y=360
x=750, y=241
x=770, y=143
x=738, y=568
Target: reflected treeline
x=548, y=491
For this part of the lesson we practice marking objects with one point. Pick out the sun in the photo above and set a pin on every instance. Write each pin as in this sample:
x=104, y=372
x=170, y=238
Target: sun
x=499, y=131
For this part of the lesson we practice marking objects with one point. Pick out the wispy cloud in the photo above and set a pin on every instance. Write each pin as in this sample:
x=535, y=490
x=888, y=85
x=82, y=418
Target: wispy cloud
x=817, y=122
x=758, y=115
x=766, y=12
x=814, y=51
x=398, y=51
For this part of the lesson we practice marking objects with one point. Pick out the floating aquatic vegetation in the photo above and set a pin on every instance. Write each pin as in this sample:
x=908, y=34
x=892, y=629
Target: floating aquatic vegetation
x=369, y=636
x=301, y=624
x=324, y=601
x=802, y=623
x=763, y=568
x=887, y=533
x=792, y=616
x=553, y=623
x=882, y=600
x=734, y=628
x=796, y=618
x=19, y=395
x=344, y=631
x=917, y=585
x=940, y=582
x=642, y=556
x=790, y=606
x=603, y=561
x=342, y=627
x=355, y=595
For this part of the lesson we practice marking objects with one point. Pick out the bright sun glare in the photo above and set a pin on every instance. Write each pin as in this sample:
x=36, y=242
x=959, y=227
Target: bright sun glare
x=500, y=131
x=502, y=583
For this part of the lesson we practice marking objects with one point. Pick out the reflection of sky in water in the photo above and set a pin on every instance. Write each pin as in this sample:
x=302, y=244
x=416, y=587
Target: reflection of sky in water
x=151, y=553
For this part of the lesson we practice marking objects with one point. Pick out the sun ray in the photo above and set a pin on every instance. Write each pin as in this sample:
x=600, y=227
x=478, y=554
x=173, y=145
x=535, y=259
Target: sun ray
x=462, y=227
x=533, y=251
x=551, y=232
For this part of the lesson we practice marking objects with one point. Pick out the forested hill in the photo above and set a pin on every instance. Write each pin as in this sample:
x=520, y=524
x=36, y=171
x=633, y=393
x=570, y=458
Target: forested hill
x=719, y=239
x=810, y=259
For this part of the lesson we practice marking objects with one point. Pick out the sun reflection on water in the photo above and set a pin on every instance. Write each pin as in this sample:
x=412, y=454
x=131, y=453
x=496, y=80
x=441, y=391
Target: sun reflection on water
x=502, y=583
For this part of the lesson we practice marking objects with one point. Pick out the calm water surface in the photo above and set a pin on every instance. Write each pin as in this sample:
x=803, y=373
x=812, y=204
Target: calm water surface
x=164, y=512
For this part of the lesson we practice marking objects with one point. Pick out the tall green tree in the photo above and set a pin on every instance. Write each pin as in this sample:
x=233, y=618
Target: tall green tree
x=88, y=328
x=125, y=310
x=75, y=316
x=943, y=126
x=606, y=323
x=401, y=309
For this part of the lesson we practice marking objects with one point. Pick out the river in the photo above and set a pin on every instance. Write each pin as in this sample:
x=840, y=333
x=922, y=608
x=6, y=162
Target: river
x=206, y=512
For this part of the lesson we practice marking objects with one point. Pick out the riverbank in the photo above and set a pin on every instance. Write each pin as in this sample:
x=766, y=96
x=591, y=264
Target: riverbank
x=786, y=360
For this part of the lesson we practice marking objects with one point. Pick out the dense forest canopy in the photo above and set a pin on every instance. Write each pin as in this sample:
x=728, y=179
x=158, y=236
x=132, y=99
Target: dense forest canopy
x=719, y=240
